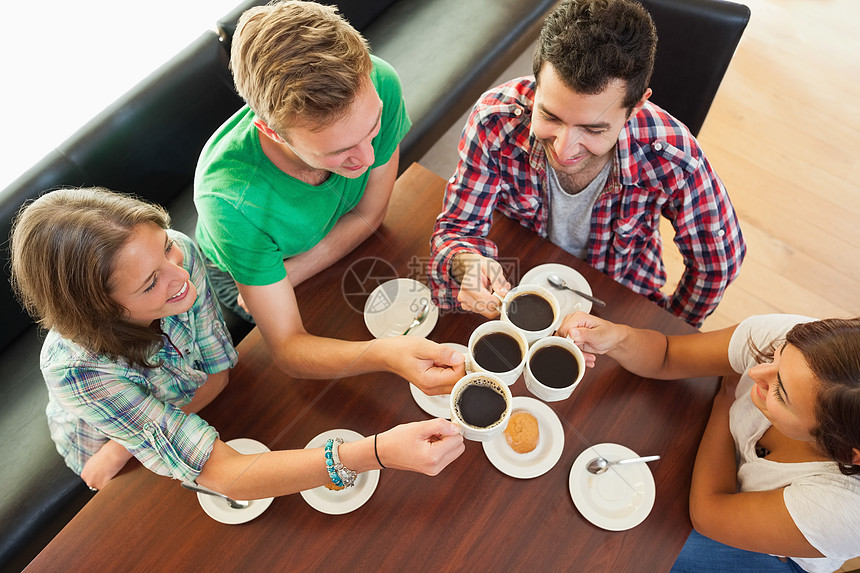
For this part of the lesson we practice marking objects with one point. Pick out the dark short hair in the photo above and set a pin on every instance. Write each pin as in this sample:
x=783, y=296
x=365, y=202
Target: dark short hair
x=589, y=43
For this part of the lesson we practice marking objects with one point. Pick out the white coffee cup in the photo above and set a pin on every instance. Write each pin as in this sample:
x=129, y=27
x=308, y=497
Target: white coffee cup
x=480, y=433
x=498, y=326
x=533, y=335
x=541, y=390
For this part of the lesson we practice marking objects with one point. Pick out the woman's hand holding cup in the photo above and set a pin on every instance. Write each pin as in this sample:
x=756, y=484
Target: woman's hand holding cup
x=425, y=447
x=591, y=334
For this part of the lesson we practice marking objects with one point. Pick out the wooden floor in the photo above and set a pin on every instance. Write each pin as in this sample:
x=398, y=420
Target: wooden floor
x=784, y=135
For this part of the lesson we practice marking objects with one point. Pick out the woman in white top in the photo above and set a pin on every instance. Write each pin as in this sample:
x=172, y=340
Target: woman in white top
x=776, y=483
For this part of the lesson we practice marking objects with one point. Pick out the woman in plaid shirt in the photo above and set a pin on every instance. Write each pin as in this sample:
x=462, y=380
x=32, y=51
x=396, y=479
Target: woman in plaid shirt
x=136, y=345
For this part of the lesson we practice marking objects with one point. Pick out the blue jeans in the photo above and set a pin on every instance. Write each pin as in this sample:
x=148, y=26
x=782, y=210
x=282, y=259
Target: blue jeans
x=703, y=555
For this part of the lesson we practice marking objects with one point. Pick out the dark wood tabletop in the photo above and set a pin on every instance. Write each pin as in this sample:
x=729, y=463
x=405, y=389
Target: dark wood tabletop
x=471, y=516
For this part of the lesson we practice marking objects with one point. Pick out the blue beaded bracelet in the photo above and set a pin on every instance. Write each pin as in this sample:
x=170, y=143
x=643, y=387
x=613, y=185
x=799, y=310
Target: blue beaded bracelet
x=329, y=464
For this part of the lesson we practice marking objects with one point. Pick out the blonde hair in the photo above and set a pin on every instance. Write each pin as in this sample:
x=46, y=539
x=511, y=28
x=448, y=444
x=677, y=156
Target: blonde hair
x=64, y=248
x=297, y=63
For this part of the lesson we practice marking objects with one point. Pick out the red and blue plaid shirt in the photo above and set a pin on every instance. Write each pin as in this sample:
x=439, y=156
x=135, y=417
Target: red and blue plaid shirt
x=659, y=169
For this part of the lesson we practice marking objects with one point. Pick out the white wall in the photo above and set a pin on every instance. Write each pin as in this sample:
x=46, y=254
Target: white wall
x=64, y=61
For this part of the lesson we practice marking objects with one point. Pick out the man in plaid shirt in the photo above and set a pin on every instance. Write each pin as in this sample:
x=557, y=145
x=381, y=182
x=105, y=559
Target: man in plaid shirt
x=578, y=155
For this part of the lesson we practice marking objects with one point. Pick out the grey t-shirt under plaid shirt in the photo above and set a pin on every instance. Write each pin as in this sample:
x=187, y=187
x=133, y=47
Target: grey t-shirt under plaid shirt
x=92, y=398
x=570, y=214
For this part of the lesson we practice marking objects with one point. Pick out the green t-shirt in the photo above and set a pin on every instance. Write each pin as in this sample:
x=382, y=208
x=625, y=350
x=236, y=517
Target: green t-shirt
x=252, y=215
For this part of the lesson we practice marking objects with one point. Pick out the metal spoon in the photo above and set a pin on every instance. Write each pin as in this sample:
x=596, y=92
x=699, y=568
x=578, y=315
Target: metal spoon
x=419, y=317
x=559, y=283
x=600, y=465
x=234, y=503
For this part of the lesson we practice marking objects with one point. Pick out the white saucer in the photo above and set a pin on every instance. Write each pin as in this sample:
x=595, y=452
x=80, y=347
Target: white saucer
x=618, y=499
x=543, y=457
x=436, y=406
x=339, y=502
x=218, y=509
x=391, y=306
x=568, y=301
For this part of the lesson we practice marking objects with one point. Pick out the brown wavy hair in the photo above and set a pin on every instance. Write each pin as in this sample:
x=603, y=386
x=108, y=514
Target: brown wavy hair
x=298, y=63
x=831, y=348
x=592, y=42
x=64, y=247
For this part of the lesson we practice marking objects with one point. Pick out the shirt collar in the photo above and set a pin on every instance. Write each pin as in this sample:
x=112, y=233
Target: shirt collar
x=628, y=155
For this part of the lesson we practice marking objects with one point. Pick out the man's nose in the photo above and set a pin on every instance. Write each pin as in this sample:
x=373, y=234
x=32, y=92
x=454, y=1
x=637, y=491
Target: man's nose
x=364, y=152
x=566, y=143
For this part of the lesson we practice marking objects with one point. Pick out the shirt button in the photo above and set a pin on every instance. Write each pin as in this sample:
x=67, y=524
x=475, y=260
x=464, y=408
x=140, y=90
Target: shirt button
x=452, y=179
x=721, y=232
x=658, y=146
x=518, y=112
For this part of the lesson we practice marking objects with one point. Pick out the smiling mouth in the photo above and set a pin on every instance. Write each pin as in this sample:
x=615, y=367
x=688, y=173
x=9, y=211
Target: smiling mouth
x=569, y=161
x=181, y=292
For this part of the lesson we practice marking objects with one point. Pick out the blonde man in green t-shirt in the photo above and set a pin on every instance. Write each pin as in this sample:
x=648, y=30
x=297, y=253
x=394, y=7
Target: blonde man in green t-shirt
x=298, y=178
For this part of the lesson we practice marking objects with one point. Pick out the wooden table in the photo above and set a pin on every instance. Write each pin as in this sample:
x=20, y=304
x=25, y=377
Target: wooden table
x=471, y=516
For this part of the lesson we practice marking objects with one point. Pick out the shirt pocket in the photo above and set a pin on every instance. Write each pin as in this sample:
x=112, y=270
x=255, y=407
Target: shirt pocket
x=522, y=201
x=629, y=234
x=522, y=206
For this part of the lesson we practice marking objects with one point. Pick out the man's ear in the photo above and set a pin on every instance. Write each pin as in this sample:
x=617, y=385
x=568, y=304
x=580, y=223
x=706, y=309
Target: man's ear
x=268, y=131
x=640, y=103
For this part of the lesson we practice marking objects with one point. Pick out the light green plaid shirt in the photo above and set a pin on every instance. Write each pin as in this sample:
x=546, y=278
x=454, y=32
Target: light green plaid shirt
x=92, y=398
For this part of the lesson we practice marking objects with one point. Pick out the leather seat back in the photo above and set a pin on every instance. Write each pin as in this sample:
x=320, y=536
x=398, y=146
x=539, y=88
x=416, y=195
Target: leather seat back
x=146, y=143
x=696, y=40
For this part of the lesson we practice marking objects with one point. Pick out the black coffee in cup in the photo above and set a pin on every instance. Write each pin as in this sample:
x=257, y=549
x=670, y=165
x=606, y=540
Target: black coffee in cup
x=481, y=405
x=497, y=352
x=531, y=312
x=554, y=366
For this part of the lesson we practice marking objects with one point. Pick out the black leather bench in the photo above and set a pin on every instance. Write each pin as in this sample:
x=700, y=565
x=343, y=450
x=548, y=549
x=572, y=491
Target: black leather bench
x=145, y=143
x=446, y=51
